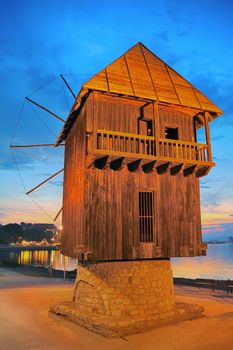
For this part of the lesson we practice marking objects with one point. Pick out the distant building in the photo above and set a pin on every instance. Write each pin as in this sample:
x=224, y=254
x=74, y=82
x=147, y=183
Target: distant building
x=41, y=226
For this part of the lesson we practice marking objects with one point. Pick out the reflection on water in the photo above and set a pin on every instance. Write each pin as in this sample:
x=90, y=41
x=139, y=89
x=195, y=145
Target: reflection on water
x=45, y=258
x=39, y=257
x=218, y=264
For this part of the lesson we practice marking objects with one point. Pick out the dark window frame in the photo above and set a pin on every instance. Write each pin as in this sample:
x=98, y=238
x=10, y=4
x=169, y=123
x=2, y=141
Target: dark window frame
x=172, y=133
x=146, y=216
x=149, y=126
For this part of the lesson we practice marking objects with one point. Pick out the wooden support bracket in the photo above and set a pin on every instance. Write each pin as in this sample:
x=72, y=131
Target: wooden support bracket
x=203, y=171
x=189, y=170
x=163, y=168
x=101, y=163
x=117, y=164
x=149, y=167
x=133, y=166
x=175, y=170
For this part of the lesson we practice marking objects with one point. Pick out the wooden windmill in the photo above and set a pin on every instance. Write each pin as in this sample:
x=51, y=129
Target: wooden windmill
x=131, y=192
x=133, y=163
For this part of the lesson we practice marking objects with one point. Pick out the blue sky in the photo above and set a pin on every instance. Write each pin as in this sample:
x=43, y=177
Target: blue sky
x=41, y=39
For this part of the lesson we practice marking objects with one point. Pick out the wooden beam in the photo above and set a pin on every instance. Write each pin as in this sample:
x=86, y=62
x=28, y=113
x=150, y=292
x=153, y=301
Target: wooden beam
x=142, y=112
x=117, y=164
x=207, y=134
x=175, y=170
x=148, y=70
x=149, y=167
x=133, y=166
x=130, y=79
x=39, y=145
x=69, y=88
x=189, y=170
x=156, y=124
x=199, y=117
x=101, y=163
x=45, y=109
x=203, y=171
x=163, y=168
x=46, y=180
x=58, y=214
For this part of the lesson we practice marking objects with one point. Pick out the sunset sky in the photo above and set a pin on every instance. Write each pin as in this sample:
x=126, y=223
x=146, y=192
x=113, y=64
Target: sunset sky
x=41, y=39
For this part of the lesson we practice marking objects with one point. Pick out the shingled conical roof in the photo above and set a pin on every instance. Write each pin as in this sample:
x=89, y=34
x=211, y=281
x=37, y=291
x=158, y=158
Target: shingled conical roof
x=140, y=73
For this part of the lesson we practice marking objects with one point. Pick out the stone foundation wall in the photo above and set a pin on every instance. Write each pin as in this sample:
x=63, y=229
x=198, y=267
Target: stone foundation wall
x=126, y=288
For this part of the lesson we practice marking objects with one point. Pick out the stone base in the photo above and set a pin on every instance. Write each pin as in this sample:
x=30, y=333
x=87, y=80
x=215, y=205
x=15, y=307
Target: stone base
x=113, y=327
x=119, y=298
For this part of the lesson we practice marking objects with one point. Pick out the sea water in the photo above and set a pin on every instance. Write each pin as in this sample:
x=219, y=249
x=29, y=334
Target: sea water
x=217, y=264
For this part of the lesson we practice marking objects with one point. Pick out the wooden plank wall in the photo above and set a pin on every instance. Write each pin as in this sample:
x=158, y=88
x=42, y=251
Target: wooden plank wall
x=172, y=117
x=73, y=190
x=178, y=215
x=117, y=114
x=101, y=206
x=111, y=214
x=111, y=202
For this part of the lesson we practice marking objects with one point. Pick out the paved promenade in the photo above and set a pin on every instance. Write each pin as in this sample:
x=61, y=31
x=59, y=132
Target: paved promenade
x=25, y=323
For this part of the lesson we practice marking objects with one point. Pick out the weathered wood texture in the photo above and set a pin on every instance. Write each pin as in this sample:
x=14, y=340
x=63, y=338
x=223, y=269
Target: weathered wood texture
x=101, y=208
x=74, y=183
x=140, y=73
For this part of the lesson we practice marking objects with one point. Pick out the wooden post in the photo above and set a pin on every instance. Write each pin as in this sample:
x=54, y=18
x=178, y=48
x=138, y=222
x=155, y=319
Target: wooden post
x=156, y=127
x=95, y=136
x=207, y=134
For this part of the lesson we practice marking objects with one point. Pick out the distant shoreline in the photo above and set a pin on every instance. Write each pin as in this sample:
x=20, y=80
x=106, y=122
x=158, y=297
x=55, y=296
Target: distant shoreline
x=217, y=242
x=52, y=247
x=30, y=248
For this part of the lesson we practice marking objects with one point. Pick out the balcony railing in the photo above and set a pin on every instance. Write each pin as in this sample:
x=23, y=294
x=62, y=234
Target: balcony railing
x=134, y=145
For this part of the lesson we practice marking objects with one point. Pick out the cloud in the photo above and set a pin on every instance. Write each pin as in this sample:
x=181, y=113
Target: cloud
x=216, y=159
x=179, y=12
x=57, y=183
x=204, y=186
x=217, y=231
x=8, y=162
x=218, y=137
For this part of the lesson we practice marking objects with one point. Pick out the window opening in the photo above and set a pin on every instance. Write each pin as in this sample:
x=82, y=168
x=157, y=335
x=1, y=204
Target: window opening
x=146, y=220
x=171, y=133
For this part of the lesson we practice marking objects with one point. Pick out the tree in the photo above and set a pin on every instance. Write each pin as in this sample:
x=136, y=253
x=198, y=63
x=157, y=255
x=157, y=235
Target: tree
x=10, y=233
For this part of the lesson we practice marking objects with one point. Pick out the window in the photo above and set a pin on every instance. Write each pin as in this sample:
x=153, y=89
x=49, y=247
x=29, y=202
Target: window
x=146, y=220
x=171, y=133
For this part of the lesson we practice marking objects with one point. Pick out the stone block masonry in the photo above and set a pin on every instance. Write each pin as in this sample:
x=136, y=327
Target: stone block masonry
x=125, y=297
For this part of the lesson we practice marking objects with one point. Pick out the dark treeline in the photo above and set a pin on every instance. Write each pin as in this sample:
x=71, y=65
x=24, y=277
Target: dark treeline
x=12, y=233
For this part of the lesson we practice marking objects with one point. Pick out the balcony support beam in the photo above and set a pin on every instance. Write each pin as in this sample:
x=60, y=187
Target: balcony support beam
x=117, y=164
x=163, y=168
x=207, y=134
x=134, y=166
x=203, y=171
x=189, y=170
x=101, y=163
x=149, y=167
x=176, y=169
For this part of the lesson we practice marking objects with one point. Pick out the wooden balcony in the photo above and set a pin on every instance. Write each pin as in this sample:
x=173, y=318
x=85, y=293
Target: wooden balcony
x=116, y=149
